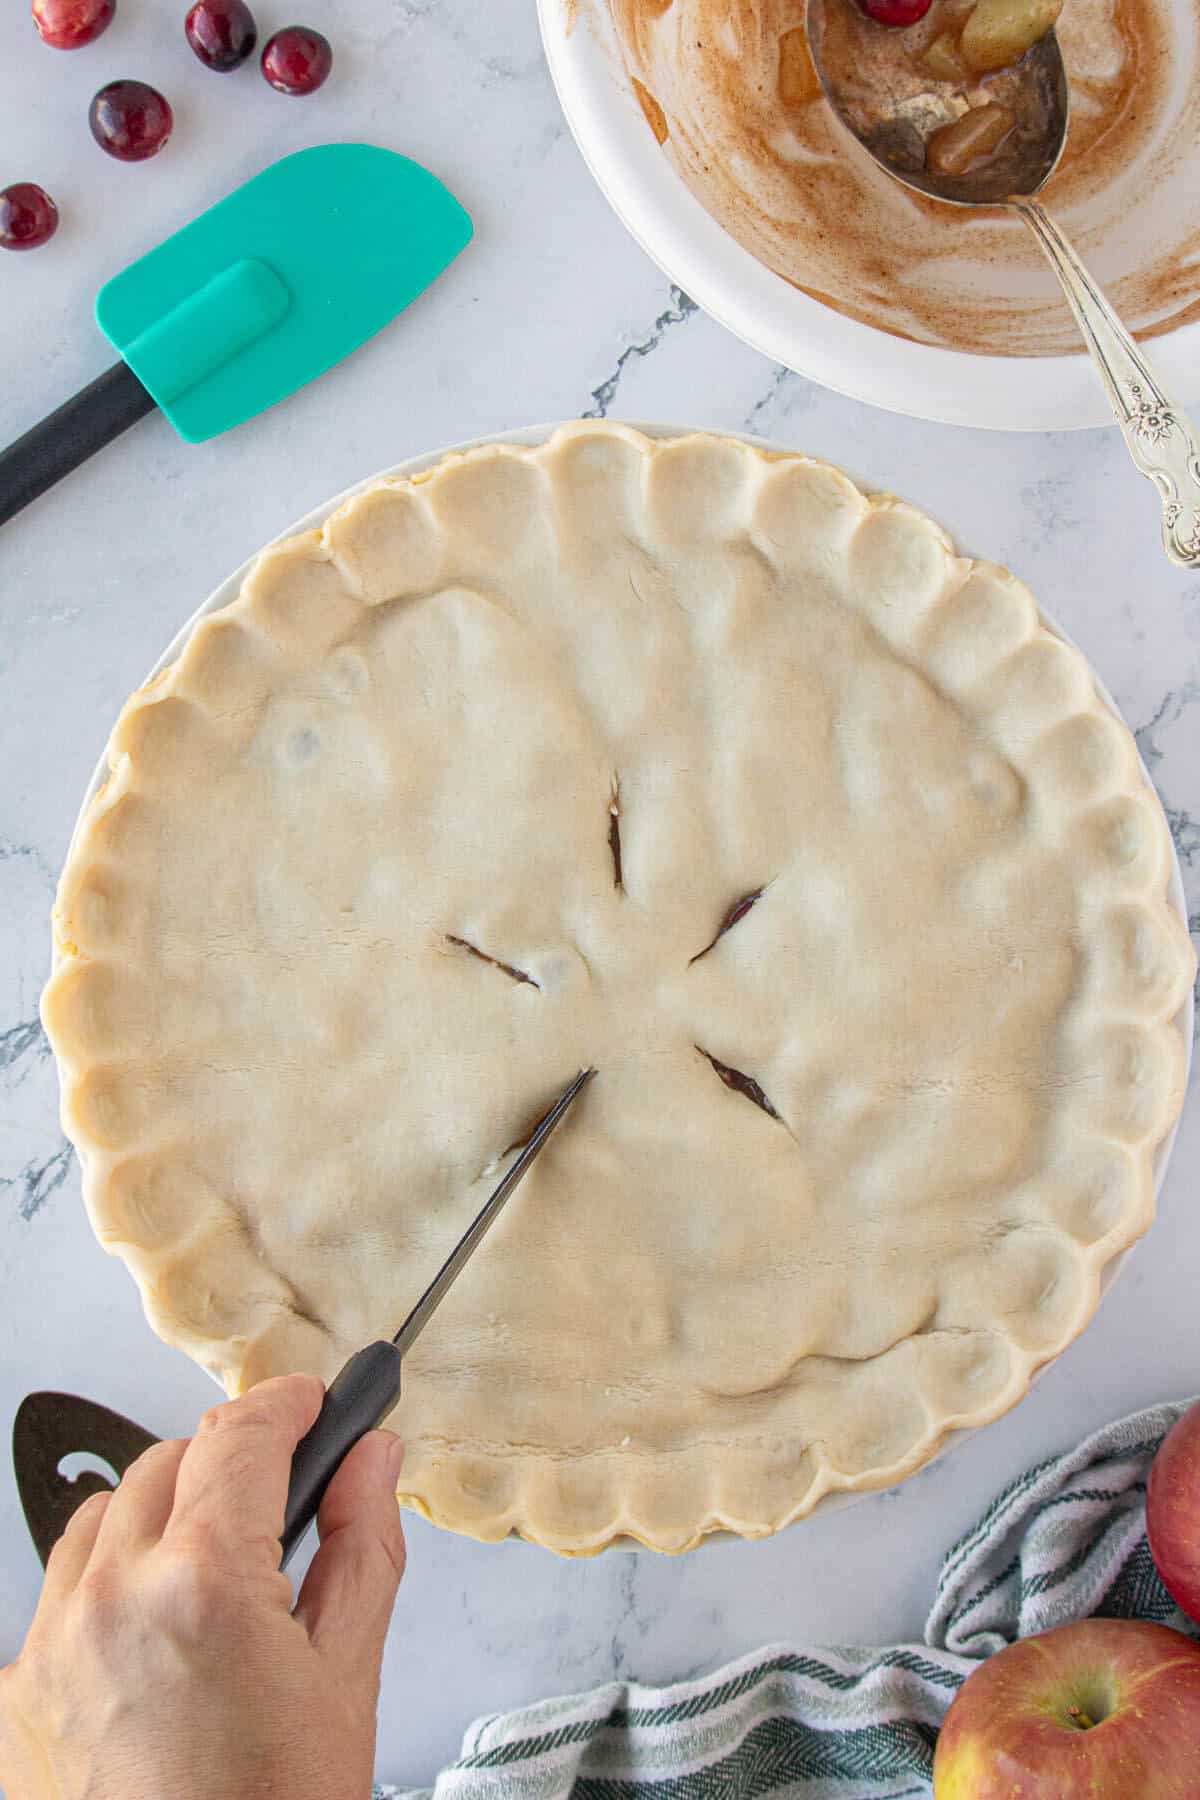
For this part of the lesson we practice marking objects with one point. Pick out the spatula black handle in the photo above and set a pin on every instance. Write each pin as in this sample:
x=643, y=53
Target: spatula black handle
x=99, y=413
x=356, y=1401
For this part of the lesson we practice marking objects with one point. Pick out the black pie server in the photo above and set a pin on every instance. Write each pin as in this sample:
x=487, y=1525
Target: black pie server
x=49, y=1428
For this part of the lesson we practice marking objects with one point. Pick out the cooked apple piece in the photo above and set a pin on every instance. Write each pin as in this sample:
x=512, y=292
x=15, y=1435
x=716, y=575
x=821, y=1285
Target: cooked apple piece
x=798, y=80
x=957, y=147
x=941, y=59
x=999, y=32
x=656, y=118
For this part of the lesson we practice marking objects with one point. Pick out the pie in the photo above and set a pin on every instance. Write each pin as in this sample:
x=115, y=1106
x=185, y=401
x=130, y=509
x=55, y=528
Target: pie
x=693, y=763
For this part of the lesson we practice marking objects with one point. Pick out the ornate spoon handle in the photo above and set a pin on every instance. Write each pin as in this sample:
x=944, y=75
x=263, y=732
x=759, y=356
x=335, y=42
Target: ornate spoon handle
x=1158, y=435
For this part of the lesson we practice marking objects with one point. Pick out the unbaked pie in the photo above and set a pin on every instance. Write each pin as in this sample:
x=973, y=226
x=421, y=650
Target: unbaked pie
x=694, y=763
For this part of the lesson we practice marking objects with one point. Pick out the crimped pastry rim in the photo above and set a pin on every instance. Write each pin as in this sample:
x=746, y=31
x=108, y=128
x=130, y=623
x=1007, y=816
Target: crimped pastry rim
x=529, y=438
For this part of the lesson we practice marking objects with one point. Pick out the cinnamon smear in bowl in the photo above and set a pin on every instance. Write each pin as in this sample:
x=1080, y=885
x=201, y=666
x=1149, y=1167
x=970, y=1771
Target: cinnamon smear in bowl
x=728, y=88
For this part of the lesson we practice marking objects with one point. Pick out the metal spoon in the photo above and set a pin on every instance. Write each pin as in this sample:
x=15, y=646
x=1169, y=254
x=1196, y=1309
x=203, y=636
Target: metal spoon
x=892, y=109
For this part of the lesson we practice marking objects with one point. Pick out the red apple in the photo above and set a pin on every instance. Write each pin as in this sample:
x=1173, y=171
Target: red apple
x=1173, y=1511
x=1108, y=1709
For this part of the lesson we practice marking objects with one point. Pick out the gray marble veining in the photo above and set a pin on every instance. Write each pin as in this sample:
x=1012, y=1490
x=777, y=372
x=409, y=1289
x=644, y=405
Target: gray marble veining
x=604, y=397
x=553, y=312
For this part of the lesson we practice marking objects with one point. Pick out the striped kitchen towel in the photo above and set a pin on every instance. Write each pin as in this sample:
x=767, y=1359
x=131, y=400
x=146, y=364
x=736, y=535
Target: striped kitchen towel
x=1065, y=1540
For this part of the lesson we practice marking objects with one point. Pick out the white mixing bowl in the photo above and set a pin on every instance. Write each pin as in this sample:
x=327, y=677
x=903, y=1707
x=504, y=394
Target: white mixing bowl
x=1040, y=393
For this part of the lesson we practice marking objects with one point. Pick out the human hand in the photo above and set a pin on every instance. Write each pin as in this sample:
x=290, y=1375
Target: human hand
x=165, y=1657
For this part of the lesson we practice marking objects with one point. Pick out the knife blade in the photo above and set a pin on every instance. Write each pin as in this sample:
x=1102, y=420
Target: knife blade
x=49, y=1427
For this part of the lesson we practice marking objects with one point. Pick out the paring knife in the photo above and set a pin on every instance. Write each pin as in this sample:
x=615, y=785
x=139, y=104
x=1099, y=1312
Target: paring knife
x=254, y=299
x=50, y=1426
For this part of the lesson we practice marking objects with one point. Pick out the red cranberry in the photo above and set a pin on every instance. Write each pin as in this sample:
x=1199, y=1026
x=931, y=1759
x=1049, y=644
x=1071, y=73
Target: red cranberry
x=297, y=60
x=222, y=33
x=28, y=216
x=895, y=12
x=130, y=120
x=69, y=24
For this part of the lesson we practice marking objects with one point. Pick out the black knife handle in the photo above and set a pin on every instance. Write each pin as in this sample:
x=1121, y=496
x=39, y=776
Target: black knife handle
x=99, y=413
x=356, y=1401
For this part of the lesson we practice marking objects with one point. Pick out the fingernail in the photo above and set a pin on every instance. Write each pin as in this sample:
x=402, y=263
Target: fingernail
x=395, y=1457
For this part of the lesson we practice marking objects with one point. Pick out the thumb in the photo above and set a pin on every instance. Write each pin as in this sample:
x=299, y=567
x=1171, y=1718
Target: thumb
x=346, y=1601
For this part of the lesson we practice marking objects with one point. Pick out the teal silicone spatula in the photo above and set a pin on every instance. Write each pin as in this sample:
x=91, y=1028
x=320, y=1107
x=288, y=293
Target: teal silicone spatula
x=258, y=296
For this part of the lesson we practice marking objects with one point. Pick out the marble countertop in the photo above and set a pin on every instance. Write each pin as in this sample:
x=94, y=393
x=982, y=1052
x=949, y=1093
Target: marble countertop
x=553, y=312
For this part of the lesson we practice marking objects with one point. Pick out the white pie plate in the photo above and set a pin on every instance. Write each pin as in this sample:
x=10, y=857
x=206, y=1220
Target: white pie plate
x=1017, y=393
x=537, y=434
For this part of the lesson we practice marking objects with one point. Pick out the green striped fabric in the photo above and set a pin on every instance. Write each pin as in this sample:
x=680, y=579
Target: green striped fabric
x=1065, y=1540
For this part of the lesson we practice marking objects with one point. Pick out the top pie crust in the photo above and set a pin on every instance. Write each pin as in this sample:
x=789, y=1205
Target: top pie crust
x=291, y=1079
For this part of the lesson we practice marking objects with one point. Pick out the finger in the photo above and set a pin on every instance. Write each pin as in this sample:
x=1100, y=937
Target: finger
x=70, y=1555
x=24, y=1760
x=137, y=1515
x=350, y=1589
x=232, y=1484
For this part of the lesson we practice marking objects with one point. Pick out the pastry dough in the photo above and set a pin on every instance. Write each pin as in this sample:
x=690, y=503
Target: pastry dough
x=455, y=798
